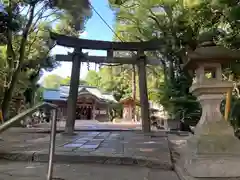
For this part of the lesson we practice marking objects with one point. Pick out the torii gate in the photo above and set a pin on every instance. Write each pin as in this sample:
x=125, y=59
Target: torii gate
x=78, y=56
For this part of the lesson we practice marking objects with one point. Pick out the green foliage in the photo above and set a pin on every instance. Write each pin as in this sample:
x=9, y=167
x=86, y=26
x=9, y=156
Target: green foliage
x=109, y=81
x=93, y=78
x=179, y=26
x=164, y=20
x=78, y=11
x=25, y=48
x=54, y=81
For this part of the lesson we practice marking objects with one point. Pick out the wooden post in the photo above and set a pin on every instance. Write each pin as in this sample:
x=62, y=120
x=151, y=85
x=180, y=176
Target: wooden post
x=1, y=117
x=73, y=94
x=228, y=100
x=143, y=93
x=228, y=104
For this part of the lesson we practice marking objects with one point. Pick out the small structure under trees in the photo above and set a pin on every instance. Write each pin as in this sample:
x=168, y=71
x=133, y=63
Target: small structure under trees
x=129, y=105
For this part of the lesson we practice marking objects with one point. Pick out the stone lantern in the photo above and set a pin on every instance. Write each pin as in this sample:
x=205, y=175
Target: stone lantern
x=213, y=151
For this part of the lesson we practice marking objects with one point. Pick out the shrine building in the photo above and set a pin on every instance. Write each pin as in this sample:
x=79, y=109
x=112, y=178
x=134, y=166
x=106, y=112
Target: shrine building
x=92, y=104
x=129, y=106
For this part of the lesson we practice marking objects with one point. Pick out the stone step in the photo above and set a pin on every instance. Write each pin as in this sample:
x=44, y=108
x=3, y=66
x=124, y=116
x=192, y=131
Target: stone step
x=101, y=158
x=37, y=171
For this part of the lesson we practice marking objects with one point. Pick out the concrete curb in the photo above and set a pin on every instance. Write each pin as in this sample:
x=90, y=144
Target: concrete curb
x=65, y=157
x=47, y=131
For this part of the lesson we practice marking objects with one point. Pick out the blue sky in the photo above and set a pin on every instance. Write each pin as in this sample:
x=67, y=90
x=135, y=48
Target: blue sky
x=95, y=29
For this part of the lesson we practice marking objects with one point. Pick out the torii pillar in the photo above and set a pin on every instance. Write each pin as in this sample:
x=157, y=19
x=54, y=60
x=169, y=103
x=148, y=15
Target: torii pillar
x=143, y=91
x=73, y=92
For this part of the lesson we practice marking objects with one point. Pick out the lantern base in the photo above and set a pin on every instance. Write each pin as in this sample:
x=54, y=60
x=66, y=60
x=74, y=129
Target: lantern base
x=213, y=152
x=212, y=155
x=209, y=167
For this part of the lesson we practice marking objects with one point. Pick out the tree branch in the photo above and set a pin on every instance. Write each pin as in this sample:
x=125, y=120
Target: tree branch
x=25, y=36
x=34, y=40
x=153, y=17
x=50, y=14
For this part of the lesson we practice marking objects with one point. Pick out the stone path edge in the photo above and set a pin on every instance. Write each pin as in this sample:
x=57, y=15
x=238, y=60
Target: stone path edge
x=79, y=130
x=30, y=156
x=62, y=132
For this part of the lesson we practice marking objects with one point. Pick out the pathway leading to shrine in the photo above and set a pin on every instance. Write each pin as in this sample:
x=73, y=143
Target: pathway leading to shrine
x=118, y=147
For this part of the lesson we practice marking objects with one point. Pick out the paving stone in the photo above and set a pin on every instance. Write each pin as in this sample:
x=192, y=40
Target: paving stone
x=114, y=136
x=106, y=150
x=92, y=144
x=112, y=144
x=73, y=145
x=106, y=134
x=107, y=143
x=80, y=150
x=95, y=141
x=81, y=140
x=89, y=146
x=92, y=134
x=99, y=137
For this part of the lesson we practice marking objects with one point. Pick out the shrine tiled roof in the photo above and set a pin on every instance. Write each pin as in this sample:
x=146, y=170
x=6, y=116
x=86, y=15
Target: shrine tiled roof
x=62, y=93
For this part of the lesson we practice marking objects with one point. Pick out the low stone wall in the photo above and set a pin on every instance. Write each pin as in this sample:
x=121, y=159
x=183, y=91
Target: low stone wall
x=102, y=118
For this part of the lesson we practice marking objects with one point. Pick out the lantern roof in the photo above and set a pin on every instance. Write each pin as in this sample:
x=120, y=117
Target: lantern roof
x=209, y=52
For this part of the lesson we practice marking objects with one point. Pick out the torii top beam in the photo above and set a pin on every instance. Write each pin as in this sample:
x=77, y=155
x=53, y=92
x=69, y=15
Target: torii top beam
x=69, y=41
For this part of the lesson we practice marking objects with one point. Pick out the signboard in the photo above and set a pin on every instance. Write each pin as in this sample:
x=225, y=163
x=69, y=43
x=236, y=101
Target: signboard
x=85, y=100
x=102, y=112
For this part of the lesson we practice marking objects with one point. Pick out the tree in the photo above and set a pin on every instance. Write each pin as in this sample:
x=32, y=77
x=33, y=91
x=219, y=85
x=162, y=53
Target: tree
x=179, y=26
x=54, y=81
x=93, y=78
x=110, y=81
x=28, y=48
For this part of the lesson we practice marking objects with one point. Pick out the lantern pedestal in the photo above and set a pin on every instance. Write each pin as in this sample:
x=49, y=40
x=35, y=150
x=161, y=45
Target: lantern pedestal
x=214, y=151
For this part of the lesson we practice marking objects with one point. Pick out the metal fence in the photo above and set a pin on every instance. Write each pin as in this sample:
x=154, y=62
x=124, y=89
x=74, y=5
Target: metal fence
x=29, y=112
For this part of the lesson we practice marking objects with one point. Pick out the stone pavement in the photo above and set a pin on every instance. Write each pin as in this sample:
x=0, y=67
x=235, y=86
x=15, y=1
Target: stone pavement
x=118, y=147
x=37, y=171
x=91, y=125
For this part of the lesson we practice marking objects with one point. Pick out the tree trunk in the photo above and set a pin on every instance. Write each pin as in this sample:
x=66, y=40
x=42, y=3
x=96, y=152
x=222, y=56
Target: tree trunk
x=171, y=71
x=8, y=94
x=33, y=97
x=10, y=90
